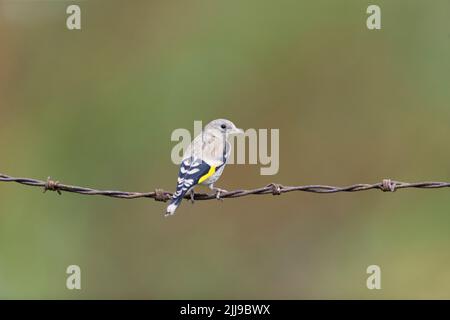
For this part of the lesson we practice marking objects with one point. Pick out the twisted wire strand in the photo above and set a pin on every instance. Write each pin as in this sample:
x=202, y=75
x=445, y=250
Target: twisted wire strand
x=386, y=185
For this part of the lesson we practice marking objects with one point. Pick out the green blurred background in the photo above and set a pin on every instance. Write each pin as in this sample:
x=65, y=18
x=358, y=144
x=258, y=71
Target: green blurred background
x=97, y=107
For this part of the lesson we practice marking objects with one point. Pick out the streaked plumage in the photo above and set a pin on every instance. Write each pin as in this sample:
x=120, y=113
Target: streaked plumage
x=204, y=160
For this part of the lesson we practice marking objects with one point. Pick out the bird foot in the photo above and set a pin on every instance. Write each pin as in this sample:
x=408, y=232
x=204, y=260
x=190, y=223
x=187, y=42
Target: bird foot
x=218, y=192
x=192, y=193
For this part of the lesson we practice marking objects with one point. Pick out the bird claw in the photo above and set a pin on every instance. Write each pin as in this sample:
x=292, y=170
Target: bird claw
x=192, y=193
x=218, y=192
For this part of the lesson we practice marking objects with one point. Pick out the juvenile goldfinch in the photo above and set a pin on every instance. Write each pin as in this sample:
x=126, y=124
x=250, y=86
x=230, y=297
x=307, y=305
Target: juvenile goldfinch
x=204, y=160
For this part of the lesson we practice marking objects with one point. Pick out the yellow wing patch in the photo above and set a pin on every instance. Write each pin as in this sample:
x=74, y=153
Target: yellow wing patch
x=209, y=174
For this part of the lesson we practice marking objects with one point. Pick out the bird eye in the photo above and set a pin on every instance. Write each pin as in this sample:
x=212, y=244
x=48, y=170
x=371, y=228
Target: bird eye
x=223, y=126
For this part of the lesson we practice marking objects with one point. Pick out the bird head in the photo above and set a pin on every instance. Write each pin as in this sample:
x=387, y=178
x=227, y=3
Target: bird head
x=223, y=126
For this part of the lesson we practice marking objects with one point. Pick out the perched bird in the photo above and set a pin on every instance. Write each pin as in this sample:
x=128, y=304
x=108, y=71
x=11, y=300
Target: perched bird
x=204, y=161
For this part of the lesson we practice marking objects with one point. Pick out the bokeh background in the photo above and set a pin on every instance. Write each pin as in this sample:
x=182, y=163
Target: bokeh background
x=97, y=107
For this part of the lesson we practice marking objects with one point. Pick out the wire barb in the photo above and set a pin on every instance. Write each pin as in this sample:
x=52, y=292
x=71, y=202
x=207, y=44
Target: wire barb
x=52, y=186
x=160, y=195
x=388, y=185
x=273, y=188
x=276, y=188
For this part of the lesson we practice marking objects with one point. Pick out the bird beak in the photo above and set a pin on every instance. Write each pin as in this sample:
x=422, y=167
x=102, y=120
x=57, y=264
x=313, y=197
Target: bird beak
x=237, y=131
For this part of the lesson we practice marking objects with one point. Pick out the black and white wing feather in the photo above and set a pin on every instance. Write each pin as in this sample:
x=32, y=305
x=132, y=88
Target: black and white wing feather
x=192, y=170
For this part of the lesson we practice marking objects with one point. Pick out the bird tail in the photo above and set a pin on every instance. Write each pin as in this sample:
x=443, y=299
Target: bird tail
x=176, y=200
x=171, y=209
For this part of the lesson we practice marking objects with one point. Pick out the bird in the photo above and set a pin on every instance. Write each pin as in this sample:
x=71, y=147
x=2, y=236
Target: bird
x=203, y=161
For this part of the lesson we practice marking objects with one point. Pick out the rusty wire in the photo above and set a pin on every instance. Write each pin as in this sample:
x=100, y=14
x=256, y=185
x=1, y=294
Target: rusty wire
x=273, y=188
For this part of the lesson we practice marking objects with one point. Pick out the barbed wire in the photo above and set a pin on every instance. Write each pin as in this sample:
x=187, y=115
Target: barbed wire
x=273, y=188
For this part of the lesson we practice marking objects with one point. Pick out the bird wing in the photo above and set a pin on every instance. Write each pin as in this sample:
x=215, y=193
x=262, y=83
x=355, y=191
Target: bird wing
x=192, y=172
